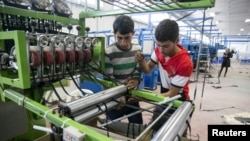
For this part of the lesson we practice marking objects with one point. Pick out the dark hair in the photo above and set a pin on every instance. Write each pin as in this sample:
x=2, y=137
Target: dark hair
x=123, y=24
x=167, y=30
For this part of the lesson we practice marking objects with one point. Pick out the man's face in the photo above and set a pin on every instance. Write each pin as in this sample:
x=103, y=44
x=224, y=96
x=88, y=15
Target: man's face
x=167, y=48
x=124, y=40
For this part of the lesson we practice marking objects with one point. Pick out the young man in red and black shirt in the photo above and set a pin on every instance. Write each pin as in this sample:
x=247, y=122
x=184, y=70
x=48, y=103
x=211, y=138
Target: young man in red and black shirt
x=173, y=60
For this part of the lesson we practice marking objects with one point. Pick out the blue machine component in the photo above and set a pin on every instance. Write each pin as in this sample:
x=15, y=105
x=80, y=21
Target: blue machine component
x=150, y=80
x=159, y=77
x=94, y=87
x=142, y=83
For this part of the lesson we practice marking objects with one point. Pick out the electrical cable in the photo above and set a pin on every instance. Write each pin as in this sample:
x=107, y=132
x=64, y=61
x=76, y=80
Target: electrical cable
x=36, y=87
x=106, y=108
x=54, y=89
x=83, y=93
x=60, y=82
x=128, y=129
x=107, y=76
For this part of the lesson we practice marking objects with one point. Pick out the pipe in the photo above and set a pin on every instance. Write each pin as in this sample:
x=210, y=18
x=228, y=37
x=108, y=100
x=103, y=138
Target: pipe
x=95, y=99
x=94, y=112
x=174, y=125
x=40, y=128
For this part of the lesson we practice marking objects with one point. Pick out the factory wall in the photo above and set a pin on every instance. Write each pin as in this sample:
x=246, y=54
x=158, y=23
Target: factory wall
x=243, y=50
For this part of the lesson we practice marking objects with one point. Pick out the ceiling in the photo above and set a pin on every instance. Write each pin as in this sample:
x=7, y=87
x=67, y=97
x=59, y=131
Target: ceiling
x=226, y=23
x=231, y=15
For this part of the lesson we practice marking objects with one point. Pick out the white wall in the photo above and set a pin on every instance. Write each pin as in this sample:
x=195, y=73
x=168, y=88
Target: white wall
x=242, y=49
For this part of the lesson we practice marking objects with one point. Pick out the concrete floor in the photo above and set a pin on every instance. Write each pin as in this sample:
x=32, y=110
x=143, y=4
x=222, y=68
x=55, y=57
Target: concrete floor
x=215, y=103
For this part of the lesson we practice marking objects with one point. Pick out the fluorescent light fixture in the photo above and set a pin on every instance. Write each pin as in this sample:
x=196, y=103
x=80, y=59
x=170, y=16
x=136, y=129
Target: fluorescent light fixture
x=242, y=29
x=247, y=20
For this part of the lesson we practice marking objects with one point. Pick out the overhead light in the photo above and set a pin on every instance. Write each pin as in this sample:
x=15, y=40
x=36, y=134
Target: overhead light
x=247, y=20
x=212, y=14
x=242, y=29
x=217, y=22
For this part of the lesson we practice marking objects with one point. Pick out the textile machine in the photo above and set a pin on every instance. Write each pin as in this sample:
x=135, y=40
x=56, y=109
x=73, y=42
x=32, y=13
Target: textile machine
x=36, y=57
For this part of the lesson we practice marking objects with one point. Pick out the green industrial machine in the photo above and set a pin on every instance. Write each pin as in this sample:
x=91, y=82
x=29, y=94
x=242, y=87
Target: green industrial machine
x=37, y=57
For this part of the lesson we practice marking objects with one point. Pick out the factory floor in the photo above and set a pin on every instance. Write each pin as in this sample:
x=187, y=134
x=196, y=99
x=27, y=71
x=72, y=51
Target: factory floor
x=218, y=102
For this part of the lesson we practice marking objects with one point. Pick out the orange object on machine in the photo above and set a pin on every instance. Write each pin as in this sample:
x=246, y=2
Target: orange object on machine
x=78, y=56
x=60, y=57
x=70, y=56
x=35, y=58
x=48, y=58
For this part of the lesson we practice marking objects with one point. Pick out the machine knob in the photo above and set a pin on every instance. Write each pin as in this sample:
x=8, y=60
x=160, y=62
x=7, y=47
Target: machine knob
x=87, y=29
x=59, y=26
x=70, y=27
x=78, y=28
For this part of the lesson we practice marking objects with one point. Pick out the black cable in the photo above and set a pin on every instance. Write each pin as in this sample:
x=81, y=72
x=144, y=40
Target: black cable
x=91, y=76
x=60, y=82
x=133, y=130
x=36, y=87
x=107, y=76
x=189, y=127
x=106, y=108
x=83, y=93
x=106, y=120
x=128, y=129
x=54, y=89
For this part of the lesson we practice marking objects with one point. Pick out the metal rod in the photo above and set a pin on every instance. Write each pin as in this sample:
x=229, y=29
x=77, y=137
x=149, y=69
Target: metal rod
x=154, y=122
x=173, y=126
x=139, y=111
x=95, y=99
x=94, y=112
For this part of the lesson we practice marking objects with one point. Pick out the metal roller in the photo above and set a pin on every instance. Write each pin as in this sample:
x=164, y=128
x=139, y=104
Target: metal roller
x=103, y=96
x=94, y=112
x=176, y=124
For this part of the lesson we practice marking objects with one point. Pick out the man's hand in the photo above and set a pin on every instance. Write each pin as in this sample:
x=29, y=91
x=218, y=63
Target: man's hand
x=139, y=57
x=132, y=83
x=122, y=101
x=132, y=100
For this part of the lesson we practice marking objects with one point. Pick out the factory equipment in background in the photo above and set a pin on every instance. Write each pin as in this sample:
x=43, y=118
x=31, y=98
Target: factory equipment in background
x=36, y=57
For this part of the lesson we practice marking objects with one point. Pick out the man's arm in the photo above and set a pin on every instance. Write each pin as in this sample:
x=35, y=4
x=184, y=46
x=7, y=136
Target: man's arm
x=146, y=67
x=173, y=91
